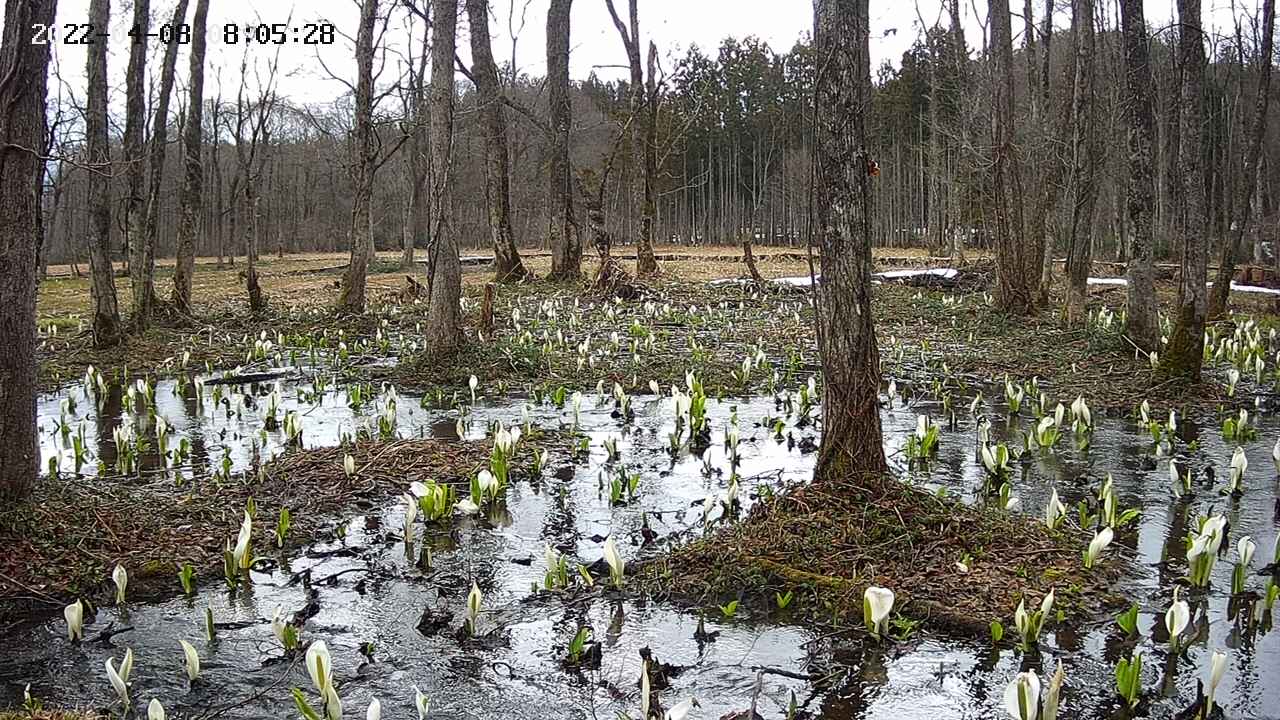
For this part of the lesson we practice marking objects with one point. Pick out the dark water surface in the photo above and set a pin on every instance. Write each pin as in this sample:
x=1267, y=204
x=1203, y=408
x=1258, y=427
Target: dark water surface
x=378, y=592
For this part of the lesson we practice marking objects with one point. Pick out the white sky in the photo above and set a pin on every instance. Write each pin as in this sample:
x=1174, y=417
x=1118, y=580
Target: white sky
x=673, y=24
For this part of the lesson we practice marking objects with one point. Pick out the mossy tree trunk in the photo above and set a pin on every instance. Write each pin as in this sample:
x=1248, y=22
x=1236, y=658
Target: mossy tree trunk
x=1184, y=355
x=851, y=437
x=22, y=127
x=1141, y=319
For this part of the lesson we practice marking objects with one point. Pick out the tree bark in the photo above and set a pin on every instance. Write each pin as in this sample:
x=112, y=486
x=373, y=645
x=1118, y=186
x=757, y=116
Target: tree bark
x=444, y=280
x=106, y=311
x=1017, y=266
x=158, y=148
x=1246, y=186
x=1084, y=165
x=566, y=237
x=641, y=155
x=851, y=438
x=1184, y=355
x=22, y=129
x=191, y=197
x=1142, y=321
x=352, y=296
x=497, y=170
x=135, y=121
x=417, y=160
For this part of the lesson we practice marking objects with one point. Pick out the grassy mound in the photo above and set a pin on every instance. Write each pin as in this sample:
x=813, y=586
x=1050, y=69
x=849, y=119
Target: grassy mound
x=827, y=542
x=66, y=540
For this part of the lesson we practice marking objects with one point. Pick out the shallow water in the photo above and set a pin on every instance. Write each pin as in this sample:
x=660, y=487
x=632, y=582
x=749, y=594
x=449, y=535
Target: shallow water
x=516, y=672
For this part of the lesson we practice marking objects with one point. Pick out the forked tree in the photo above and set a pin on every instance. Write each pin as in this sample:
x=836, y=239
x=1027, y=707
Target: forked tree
x=842, y=196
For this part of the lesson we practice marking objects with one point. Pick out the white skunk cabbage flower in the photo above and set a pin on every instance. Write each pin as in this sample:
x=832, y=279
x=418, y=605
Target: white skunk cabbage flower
x=332, y=703
x=1100, y=541
x=242, y=554
x=1239, y=463
x=1245, y=548
x=466, y=507
x=349, y=464
x=74, y=613
x=420, y=702
x=375, y=710
x=191, y=659
x=1176, y=617
x=120, y=679
x=1080, y=412
x=1051, y=695
x=1022, y=696
x=616, y=565
x=319, y=665
x=681, y=710
x=474, y=600
x=877, y=603
x=1275, y=455
x=155, y=711
x=473, y=383
x=1217, y=668
x=488, y=483
x=410, y=515
x=278, y=623
x=120, y=577
x=1055, y=511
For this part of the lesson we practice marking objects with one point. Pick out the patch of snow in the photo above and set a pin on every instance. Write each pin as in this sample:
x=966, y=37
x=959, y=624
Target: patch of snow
x=944, y=273
x=1235, y=286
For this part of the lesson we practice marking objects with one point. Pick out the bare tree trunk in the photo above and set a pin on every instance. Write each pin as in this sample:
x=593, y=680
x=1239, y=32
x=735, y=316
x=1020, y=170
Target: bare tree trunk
x=135, y=122
x=1142, y=321
x=106, y=311
x=22, y=126
x=1083, y=163
x=352, y=297
x=641, y=155
x=158, y=148
x=1183, y=356
x=566, y=239
x=444, y=279
x=497, y=170
x=851, y=440
x=646, y=263
x=1247, y=184
x=1017, y=266
x=191, y=198
x=417, y=160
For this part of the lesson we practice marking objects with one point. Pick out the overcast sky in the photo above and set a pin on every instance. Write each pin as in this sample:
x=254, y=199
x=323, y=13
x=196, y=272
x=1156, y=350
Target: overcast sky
x=673, y=24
